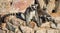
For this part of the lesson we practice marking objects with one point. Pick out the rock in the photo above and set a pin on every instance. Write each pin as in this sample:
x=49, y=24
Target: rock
x=52, y=31
x=10, y=32
x=10, y=27
x=4, y=6
x=41, y=30
x=58, y=26
x=3, y=26
x=1, y=31
x=15, y=21
x=42, y=3
x=32, y=24
x=17, y=6
x=53, y=25
x=26, y=29
x=57, y=31
x=46, y=25
x=50, y=6
x=22, y=4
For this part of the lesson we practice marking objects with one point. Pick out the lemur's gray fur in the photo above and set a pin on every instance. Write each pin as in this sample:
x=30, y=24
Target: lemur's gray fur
x=31, y=14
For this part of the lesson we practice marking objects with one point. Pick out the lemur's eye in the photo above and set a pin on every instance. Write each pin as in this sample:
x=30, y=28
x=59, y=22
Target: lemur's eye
x=11, y=3
x=34, y=7
x=56, y=0
x=53, y=11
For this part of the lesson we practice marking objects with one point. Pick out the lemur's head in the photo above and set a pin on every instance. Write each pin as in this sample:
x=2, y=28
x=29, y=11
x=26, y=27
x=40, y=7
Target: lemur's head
x=34, y=6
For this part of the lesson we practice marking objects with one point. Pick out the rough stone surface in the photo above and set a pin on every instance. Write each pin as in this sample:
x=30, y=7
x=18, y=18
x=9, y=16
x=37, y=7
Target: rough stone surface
x=16, y=25
x=41, y=30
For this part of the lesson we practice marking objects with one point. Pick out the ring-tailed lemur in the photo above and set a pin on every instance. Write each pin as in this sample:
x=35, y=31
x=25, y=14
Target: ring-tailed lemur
x=31, y=14
x=43, y=15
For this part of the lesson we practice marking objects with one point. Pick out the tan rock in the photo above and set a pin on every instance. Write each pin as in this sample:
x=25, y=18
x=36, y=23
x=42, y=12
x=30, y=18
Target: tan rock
x=46, y=25
x=53, y=25
x=32, y=24
x=1, y=31
x=58, y=26
x=50, y=6
x=42, y=3
x=22, y=4
x=15, y=21
x=52, y=31
x=3, y=26
x=5, y=6
x=26, y=29
x=41, y=30
x=57, y=31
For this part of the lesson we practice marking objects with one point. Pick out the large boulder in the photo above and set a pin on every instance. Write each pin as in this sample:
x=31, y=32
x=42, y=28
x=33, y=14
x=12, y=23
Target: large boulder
x=14, y=6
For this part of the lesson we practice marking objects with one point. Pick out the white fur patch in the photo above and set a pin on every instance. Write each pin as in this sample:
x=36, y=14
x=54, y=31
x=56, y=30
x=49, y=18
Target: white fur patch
x=23, y=16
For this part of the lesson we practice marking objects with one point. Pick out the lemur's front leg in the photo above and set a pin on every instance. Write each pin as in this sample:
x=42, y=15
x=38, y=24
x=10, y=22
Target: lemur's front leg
x=27, y=17
x=38, y=20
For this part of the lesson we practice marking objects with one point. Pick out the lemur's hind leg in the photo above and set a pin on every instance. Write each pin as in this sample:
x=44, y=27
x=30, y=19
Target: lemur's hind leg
x=49, y=18
x=52, y=20
x=38, y=20
x=55, y=23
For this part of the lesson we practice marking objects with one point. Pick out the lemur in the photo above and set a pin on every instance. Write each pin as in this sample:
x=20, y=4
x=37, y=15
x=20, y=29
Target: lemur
x=44, y=15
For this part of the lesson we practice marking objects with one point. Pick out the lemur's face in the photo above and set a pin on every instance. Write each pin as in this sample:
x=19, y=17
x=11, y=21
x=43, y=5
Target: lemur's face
x=34, y=7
